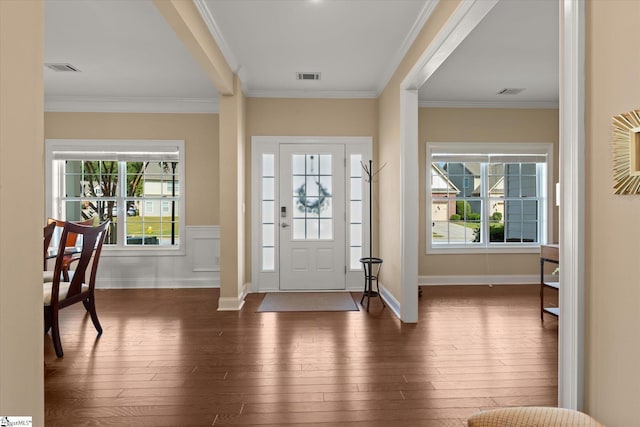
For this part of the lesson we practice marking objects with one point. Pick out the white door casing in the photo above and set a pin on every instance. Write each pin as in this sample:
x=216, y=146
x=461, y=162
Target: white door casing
x=266, y=231
x=312, y=217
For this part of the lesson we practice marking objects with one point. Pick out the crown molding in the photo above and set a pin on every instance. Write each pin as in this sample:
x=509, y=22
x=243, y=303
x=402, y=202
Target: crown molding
x=490, y=104
x=207, y=16
x=328, y=94
x=397, y=58
x=96, y=104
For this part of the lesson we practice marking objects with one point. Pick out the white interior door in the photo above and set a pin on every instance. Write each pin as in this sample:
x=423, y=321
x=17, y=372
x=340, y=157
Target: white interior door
x=312, y=217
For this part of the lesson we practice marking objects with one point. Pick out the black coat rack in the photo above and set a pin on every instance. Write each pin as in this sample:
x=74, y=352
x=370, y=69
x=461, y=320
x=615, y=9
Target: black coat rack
x=368, y=170
x=371, y=264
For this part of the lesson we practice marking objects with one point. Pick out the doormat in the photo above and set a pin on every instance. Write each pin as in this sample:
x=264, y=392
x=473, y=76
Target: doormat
x=308, y=301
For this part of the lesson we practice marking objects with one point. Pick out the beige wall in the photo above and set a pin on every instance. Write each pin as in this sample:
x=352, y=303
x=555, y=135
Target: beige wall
x=612, y=288
x=389, y=150
x=481, y=125
x=21, y=209
x=305, y=117
x=199, y=131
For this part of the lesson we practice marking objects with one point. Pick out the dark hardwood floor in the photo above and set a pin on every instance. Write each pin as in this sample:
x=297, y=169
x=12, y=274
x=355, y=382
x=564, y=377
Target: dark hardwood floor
x=168, y=358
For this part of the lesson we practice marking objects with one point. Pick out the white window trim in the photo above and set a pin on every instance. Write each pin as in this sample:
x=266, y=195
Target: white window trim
x=488, y=148
x=79, y=146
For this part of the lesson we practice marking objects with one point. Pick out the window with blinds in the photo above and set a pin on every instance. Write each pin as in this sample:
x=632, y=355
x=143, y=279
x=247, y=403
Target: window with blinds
x=487, y=195
x=133, y=184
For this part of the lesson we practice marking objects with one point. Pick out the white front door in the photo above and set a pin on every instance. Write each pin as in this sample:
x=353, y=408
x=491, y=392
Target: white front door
x=312, y=217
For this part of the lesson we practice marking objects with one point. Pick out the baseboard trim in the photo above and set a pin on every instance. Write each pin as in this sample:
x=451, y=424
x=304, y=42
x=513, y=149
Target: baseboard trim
x=390, y=300
x=514, y=279
x=233, y=303
x=159, y=284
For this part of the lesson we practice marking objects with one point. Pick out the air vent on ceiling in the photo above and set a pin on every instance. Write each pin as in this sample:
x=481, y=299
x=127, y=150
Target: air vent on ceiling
x=62, y=67
x=510, y=91
x=308, y=76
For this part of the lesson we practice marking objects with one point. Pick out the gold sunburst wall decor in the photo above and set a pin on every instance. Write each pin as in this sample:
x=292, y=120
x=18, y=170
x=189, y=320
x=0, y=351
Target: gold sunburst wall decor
x=626, y=153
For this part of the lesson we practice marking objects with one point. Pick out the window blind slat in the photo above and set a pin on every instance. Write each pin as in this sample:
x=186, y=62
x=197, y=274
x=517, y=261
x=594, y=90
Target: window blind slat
x=487, y=158
x=116, y=156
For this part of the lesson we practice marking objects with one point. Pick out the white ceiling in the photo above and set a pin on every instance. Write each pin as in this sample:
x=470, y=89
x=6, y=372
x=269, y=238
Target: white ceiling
x=131, y=60
x=515, y=46
x=127, y=56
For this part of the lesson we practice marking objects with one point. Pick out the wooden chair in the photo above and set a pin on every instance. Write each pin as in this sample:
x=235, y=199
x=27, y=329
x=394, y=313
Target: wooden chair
x=70, y=241
x=48, y=235
x=59, y=294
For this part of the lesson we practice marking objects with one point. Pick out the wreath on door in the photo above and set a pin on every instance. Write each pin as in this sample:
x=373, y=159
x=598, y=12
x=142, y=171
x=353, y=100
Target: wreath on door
x=312, y=204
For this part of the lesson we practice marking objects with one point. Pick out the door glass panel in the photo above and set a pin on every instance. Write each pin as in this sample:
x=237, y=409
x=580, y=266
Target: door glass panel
x=298, y=164
x=299, y=229
x=326, y=229
x=312, y=189
x=325, y=164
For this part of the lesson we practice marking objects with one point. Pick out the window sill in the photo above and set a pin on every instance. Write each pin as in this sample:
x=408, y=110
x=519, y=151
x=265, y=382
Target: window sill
x=141, y=252
x=515, y=249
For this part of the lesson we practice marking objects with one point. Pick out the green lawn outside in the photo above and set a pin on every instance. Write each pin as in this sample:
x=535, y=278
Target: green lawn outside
x=151, y=226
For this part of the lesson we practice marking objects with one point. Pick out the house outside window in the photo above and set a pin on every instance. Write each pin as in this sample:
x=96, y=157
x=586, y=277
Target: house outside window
x=487, y=196
x=133, y=184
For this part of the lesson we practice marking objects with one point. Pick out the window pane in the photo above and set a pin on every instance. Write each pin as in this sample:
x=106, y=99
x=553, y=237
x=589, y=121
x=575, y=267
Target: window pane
x=267, y=189
x=325, y=188
x=355, y=238
x=267, y=212
x=135, y=178
x=312, y=187
x=529, y=186
x=299, y=232
x=325, y=164
x=355, y=167
x=313, y=229
x=298, y=164
x=268, y=165
x=521, y=221
x=268, y=234
x=356, y=211
x=326, y=229
x=313, y=164
x=356, y=189
x=268, y=259
x=299, y=186
x=355, y=253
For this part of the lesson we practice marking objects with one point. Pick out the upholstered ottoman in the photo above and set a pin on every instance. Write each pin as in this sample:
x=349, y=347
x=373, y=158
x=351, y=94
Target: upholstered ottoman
x=532, y=417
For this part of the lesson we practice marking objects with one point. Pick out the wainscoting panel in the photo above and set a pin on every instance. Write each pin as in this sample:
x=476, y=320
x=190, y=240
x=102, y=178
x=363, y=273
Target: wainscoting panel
x=199, y=267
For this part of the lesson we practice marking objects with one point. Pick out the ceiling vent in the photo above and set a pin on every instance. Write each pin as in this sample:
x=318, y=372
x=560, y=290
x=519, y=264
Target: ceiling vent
x=62, y=67
x=510, y=91
x=307, y=76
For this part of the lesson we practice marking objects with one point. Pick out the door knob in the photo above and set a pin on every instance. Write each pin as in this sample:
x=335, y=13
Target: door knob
x=284, y=225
